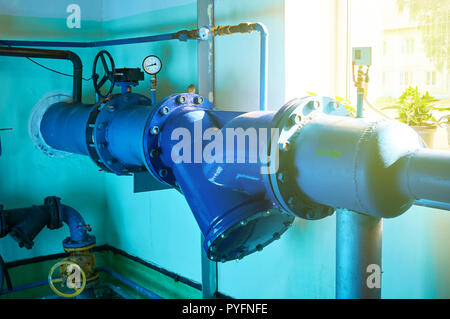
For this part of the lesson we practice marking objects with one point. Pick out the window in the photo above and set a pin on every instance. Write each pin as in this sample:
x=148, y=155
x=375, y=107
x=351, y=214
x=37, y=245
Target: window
x=431, y=78
x=410, y=46
x=410, y=41
x=406, y=78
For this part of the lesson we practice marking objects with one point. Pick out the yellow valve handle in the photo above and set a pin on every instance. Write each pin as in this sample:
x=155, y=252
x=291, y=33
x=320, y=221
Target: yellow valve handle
x=62, y=280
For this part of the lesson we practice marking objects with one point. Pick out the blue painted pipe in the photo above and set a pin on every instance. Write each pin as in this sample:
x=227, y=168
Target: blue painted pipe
x=107, y=270
x=25, y=286
x=129, y=283
x=92, y=44
x=62, y=125
x=320, y=159
x=79, y=236
x=127, y=134
x=153, y=96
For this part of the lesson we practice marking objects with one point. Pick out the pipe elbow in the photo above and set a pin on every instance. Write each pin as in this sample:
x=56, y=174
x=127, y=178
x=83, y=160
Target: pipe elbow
x=72, y=56
x=261, y=28
x=78, y=228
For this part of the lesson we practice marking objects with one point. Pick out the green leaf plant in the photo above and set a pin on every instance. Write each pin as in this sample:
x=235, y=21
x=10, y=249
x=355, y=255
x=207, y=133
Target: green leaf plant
x=416, y=109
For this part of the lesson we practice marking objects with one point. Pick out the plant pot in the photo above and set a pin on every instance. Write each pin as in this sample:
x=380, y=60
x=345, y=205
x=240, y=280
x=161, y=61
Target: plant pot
x=427, y=133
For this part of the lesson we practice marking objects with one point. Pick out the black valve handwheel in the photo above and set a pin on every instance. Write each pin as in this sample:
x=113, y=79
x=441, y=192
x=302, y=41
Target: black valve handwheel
x=108, y=73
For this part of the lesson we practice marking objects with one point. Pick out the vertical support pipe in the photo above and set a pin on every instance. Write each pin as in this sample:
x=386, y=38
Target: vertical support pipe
x=205, y=51
x=206, y=68
x=263, y=65
x=360, y=102
x=264, y=53
x=209, y=274
x=358, y=255
x=358, y=248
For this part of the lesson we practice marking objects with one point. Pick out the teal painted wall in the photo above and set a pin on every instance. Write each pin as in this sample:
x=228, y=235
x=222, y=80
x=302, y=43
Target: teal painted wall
x=159, y=226
x=156, y=226
x=27, y=175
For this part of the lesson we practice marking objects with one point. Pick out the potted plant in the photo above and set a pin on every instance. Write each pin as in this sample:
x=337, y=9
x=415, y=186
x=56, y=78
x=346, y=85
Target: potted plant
x=416, y=110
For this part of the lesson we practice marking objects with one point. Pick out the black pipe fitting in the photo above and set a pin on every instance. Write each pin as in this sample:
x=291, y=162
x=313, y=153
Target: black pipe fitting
x=52, y=54
x=24, y=224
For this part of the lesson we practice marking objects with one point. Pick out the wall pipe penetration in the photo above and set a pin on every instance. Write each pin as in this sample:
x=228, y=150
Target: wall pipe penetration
x=323, y=159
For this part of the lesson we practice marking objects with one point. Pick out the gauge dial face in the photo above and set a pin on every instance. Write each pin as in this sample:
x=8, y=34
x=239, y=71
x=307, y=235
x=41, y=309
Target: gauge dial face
x=152, y=64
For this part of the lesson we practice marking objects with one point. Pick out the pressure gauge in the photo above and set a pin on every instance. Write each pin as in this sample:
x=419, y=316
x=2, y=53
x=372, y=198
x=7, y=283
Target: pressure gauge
x=152, y=64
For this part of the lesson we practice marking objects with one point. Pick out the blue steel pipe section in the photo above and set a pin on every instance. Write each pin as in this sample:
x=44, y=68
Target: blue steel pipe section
x=322, y=160
x=79, y=236
x=126, y=134
x=240, y=167
x=234, y=223
x=62, y=127
x=95, y=44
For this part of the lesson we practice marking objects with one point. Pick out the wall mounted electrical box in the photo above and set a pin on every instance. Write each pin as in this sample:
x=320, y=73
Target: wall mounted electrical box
x=362, y=55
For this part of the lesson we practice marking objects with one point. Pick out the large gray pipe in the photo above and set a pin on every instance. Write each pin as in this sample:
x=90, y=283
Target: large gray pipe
x=426, y=175
x=375, y=168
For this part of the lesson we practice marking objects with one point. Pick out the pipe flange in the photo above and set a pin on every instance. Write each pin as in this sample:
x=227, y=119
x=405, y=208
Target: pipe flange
x=96, y=129
x=155, y=126
x=54, y=205
x=290, y=120
x=248, y=226
x=88, y=243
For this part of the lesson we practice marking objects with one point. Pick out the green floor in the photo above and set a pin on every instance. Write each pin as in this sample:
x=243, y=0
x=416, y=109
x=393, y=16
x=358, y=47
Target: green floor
x=148, y=278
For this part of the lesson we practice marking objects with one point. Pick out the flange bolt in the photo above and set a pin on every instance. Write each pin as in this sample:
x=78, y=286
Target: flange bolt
x=154, y=153
x=164, y=110
x=198, y=100
x=163, y=172
x=155, y=130
x=181, y=99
